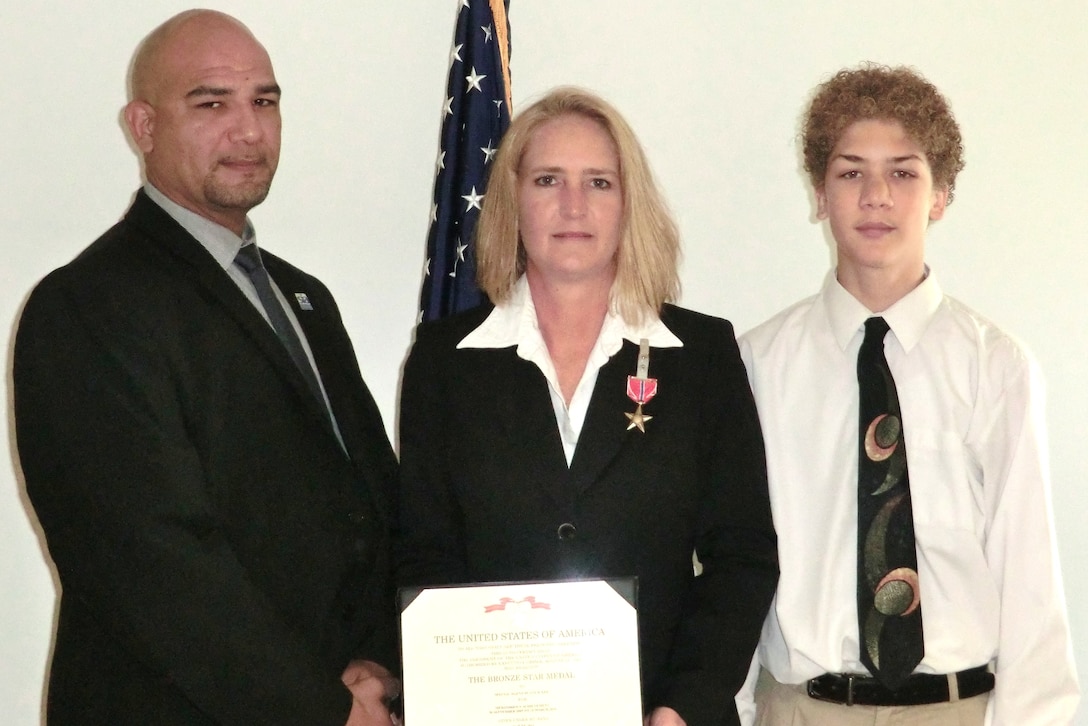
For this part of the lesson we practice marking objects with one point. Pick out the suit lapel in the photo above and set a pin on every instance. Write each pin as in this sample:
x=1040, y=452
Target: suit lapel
x=198, y=264
x=317, y=325
x=526, y=420
x=357, y=417
x=605, y=432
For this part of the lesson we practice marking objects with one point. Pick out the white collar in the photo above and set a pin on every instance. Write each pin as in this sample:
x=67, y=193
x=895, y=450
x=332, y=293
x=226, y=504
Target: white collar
x=907, y=317
x=220, y=242
x=515, y=323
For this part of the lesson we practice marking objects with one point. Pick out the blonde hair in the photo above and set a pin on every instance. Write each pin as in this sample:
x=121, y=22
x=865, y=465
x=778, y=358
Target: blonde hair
x=649, y=251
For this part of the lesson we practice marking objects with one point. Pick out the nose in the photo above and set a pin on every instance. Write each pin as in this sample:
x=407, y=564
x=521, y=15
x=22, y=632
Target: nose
x=247, y=126
x=876, y=192
x=572, y=201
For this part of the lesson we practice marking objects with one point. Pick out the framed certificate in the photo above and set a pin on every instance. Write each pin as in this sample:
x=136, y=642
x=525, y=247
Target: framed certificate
x=521, y=654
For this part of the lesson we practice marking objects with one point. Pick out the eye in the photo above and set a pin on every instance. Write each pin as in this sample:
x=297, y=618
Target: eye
x=850, y=174
x=600, y=183
x=210, y=104
x=266, y=102
x=545, y=180
x=903, y=174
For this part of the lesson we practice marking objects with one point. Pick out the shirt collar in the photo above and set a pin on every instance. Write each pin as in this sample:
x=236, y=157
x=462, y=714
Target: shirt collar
x=908, y=317
x=515, y=323
x=220, y=242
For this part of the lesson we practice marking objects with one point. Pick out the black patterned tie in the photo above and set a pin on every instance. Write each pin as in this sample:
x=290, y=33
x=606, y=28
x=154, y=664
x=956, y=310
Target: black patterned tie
x=249, y=259
x=889, y=603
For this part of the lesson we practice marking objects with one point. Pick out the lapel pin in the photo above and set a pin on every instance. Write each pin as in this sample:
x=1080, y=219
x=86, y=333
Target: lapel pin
x=303, y=301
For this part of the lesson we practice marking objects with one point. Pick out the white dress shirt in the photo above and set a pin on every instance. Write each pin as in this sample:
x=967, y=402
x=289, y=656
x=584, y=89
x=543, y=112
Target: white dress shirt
x=515, y=323
x=974, y=428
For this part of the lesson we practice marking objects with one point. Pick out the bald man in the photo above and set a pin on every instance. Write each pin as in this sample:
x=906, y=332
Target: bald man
x=212, y=475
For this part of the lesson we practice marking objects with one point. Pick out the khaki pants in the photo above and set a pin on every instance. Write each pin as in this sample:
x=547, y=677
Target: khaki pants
x=785, y=705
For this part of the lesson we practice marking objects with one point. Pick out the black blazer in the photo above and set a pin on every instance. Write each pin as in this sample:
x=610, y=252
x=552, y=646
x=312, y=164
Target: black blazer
x=221, y=558
x=485, y=488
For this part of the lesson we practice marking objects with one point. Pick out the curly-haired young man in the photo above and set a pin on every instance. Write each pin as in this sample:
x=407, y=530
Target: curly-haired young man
x=906, y=455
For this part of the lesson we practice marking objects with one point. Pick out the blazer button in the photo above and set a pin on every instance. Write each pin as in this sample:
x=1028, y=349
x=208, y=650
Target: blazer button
x=566, y=531
x=356, y=517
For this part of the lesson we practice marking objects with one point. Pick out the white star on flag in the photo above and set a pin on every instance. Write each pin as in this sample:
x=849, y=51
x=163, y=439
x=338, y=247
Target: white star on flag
x=474, y=80
x=440, y=162
x=489, y=152
x=487, y=33
x=473, y=199
x=455, y=54
x=459, y=250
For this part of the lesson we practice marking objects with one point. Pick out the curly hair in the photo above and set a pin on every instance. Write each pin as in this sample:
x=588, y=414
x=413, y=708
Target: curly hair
x=873, y=91
x=648, y=256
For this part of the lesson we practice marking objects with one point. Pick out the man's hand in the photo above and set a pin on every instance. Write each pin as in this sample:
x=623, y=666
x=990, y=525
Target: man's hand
x=372, y=687
x=664, y=716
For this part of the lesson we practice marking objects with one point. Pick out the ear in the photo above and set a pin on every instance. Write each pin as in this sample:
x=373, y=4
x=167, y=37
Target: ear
x=140, y=119
x=940, y=202
x=821, y=203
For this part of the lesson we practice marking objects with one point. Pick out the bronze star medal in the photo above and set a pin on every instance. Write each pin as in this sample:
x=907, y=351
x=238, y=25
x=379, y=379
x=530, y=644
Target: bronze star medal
x=641, y=388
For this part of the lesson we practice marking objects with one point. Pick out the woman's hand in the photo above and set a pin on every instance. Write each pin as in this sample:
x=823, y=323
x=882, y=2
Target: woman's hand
x=664, y=716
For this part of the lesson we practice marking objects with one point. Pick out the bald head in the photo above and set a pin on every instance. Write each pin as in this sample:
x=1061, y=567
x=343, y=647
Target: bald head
x=176, y=37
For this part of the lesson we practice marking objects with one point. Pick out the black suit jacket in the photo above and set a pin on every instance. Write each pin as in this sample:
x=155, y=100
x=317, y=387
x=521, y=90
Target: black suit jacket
x=485, y=487
x=221, y=557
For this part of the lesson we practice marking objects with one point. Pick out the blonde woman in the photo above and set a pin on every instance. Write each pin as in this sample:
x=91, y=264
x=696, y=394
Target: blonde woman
x=533, y=445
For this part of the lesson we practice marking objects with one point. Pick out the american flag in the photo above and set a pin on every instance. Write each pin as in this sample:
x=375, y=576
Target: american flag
x=475, y=114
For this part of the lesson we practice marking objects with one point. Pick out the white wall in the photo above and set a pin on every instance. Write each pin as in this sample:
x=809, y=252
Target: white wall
x=714, y=90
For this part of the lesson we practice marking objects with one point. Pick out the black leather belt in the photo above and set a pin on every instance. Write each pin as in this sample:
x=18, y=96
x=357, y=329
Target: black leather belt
x=918, y=689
